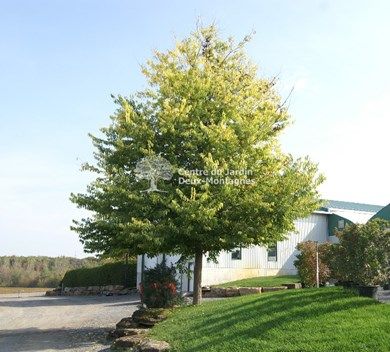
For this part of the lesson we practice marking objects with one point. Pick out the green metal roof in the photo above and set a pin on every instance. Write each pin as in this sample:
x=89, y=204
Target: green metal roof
x=338, y=204
x=383, y=213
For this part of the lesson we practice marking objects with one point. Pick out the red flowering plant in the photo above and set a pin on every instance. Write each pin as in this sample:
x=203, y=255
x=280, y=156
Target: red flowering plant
x=159, y=287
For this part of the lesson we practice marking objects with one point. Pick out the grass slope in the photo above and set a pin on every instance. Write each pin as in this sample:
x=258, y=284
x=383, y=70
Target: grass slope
x=325, y=319
x=263, y=281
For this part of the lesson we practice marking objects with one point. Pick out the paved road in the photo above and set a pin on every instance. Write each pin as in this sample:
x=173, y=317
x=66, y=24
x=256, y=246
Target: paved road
x=37, y=323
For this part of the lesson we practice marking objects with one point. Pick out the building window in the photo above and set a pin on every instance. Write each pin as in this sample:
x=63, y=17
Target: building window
x=341, y=224
x=237, y=254
x=272, y=252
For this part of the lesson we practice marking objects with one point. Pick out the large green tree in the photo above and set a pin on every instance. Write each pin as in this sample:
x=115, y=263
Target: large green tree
x=208, y=113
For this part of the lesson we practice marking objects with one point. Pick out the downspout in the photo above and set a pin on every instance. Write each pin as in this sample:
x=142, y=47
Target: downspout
x=188, y=276
x=142, y=268
x=126, y=268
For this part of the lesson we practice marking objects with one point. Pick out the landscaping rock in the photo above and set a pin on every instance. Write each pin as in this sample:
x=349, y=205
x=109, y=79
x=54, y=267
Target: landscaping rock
x=206, y=289
x=127, y=342
x=53, y=293
x=94, y=289
x=294, y=285
x=232, y=292
x=249, y=290
x=153, y=346
x=188, y=300
x=127, y=323
x=130, y=332
x=148, y=322
x=140, y=344
x=108, y=290
x=218, y=292
x=113, y=334
x=124, y=291
x=272, y=289
x=149, y=317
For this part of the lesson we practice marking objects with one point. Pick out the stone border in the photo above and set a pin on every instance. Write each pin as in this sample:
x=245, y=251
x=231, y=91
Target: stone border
x=216, y=291
x=108, y=290
x=131, y=333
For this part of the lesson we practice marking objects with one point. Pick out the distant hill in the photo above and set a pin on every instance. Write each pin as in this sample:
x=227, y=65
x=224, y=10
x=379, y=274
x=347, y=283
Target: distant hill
x=18, y=271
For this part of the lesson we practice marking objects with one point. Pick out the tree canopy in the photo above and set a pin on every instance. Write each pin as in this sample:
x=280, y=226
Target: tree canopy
x=207, y=112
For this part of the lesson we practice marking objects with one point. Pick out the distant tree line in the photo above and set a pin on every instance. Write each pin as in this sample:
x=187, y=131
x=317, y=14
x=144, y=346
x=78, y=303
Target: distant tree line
x=39, y=271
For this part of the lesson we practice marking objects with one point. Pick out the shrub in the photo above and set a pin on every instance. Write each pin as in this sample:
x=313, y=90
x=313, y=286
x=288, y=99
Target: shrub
x=332, y=258
x=159, y=287
x=363, y=253
x=306, y=262
x=107, y=274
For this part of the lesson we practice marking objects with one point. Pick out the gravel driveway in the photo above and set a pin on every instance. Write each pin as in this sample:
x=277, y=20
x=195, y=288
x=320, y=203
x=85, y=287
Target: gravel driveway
x=34, y=322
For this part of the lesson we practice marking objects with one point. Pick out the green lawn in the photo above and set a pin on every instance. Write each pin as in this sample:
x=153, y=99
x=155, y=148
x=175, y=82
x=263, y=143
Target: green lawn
x=263, y=281
x=309, y=320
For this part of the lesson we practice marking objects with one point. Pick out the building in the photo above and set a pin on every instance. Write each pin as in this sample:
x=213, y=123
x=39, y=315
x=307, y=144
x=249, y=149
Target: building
x=279, y=260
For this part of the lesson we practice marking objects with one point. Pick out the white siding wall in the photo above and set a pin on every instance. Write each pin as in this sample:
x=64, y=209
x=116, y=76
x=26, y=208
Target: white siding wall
x=254, y=260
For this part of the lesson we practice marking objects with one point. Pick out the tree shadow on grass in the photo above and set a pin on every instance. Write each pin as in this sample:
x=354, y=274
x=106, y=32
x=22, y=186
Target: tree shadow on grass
x=32, y=339
x=276, y=311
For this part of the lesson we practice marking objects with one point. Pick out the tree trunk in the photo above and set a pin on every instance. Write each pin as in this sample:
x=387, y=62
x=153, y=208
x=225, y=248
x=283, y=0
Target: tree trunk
x=153, y=185
x=198, y=278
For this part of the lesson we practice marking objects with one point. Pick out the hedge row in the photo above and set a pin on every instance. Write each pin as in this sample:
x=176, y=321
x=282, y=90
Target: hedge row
x=107, y=274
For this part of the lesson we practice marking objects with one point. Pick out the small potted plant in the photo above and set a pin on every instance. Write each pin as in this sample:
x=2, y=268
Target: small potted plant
x=368, y=285
x=371, y=278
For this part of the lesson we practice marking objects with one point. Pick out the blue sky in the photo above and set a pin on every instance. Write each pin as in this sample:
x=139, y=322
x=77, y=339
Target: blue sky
x=61, y=60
